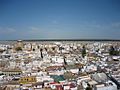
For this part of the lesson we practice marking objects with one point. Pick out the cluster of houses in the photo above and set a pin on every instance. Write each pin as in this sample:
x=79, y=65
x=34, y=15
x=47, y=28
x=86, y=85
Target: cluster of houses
x=64, y=65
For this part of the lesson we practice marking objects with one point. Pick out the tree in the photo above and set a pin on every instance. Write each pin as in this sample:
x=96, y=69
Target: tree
x=53, y=48
x=38, y=47
x=113, y=51
x=68, y=75
x=83, y=51
x=18, y=49
x=1, y=51
x=33, y=49
x=1, y=74
x=97, y=50
x=46, y=49
x=88, y=88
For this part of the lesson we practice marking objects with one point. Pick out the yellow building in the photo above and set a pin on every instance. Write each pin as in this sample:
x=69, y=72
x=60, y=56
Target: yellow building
x=27, y=80
x=18, y=46
x=20, y=43
x=10, y=72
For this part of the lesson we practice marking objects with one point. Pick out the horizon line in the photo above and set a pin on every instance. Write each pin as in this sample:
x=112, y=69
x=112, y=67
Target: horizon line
x=63, y=40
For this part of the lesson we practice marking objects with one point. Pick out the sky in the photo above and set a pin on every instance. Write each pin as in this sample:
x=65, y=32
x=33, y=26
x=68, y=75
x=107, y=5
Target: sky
x=59, y=19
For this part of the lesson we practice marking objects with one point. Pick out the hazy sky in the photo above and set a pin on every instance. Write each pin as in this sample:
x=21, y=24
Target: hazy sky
x=59, y=19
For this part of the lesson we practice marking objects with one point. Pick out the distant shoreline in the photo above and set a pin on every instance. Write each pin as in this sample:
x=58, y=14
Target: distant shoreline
x=33, y=40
